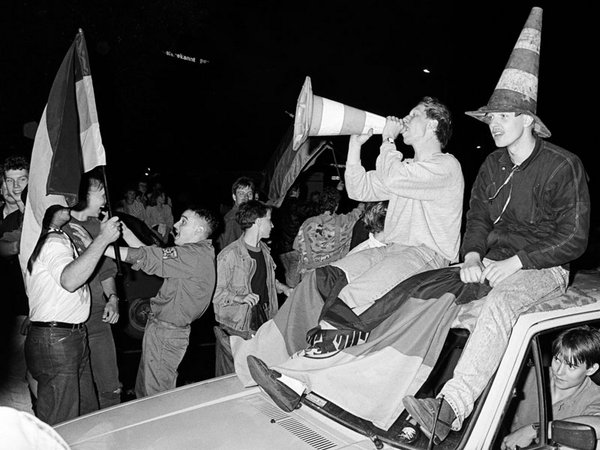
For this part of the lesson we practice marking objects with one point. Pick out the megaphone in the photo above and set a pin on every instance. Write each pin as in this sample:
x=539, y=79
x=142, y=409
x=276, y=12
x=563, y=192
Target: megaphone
x=319, y=116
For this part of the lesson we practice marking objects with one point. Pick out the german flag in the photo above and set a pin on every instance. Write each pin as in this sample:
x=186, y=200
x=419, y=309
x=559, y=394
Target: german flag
x=67, y=143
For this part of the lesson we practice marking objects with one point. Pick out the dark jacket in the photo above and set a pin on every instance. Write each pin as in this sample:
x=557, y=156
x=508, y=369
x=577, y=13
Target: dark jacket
x=546, y=221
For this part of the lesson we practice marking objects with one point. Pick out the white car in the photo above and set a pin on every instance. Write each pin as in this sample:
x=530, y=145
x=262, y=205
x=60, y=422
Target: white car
x=221, y=414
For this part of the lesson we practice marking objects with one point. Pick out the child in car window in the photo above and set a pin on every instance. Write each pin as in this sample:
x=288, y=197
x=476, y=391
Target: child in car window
x=575, y=397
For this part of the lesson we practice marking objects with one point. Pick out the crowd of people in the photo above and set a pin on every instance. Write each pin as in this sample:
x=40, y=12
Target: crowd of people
x=528, y=218
x=70, y=288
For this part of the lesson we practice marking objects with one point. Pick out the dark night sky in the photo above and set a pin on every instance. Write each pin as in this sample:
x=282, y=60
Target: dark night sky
x=204, y=121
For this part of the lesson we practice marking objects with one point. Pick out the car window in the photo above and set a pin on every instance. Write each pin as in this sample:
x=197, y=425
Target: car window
x=527, y=402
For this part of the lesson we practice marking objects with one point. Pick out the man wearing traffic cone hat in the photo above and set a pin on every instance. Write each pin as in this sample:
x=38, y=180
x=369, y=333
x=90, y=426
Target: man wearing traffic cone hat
x=528, y=218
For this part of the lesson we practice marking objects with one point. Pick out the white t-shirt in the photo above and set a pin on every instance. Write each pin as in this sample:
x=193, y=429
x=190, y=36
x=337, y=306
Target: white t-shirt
x=48, y=300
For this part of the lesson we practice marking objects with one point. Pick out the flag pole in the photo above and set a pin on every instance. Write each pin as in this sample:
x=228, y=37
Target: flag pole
x=110, y=214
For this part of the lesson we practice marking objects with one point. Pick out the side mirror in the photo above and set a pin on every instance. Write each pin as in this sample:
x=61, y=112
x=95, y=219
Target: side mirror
x=573, y=435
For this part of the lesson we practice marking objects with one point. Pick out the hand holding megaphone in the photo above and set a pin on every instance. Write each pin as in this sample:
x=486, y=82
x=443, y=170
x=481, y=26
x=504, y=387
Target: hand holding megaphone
x=393, y=127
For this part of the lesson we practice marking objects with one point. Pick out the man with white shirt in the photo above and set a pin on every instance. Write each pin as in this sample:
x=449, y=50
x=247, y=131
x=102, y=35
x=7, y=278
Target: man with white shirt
x=56, y=347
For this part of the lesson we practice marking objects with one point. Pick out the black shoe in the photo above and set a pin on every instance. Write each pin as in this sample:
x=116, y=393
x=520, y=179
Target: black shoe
x=424, y=412
x=283, y=396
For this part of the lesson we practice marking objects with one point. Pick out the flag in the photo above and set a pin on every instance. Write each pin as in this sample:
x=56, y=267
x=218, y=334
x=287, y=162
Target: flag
x=286, y=164
x=67, y=143
x=406, y=332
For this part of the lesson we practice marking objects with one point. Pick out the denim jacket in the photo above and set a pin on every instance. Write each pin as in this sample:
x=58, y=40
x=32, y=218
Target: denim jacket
x=235, y=268
x=541, y=213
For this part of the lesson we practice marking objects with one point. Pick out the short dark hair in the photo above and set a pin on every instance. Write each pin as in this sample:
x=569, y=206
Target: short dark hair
x=13, y=163
x=436, y=110
x=329, y=200
x=578, y=345
x=211, y=219
x=242, y=182
x=249, y=212
x=16, y=163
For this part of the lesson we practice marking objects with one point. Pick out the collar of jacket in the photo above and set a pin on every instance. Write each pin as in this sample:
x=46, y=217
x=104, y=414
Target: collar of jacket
x=507, y=162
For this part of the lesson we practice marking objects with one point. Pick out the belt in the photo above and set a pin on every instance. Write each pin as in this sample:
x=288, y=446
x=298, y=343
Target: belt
x=54, y=324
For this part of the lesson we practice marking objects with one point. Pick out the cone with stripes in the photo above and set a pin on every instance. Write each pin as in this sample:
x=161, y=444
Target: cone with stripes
x=319, y=116
x=517, y=89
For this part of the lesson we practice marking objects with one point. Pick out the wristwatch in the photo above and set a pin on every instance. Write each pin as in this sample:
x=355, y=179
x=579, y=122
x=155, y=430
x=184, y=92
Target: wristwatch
x=390, y=140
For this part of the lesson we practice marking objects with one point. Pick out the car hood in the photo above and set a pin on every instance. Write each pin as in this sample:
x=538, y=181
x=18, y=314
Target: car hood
x=217, y=414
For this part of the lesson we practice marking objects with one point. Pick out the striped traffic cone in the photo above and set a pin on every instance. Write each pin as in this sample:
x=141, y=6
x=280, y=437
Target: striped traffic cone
x=319, y=116
x=517, y=89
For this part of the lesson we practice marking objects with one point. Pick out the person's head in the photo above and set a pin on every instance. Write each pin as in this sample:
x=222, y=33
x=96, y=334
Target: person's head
x=142, y=187
x=130, y=195
x=429, y=116
x=255, y=215
x=509, y=127
x=92, y=197
x=195, y=225
x=158, y=198
x=15, y=177
x=576, y=355
x=329, y=200
x=517, y=89
x=374, y=218
x=242, y=190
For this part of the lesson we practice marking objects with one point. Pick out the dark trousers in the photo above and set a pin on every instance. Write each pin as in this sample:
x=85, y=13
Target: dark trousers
x=58, y=359
x=103, y=357
x=223, y=356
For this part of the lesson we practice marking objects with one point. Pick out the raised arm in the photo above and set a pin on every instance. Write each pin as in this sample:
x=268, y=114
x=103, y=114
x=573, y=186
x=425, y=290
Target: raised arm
x=77, y=272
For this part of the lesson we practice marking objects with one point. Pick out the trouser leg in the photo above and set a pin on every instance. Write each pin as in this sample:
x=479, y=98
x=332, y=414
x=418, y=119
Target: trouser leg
x=103, y=359
x=163, y=349
x=486, y=345
x=374, y=272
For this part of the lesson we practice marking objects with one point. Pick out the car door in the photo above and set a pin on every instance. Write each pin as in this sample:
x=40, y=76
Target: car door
x=531, y=401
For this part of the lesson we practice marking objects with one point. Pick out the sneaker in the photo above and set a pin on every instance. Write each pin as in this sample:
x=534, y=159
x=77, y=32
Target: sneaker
x=424, y=411
x=408, y=435
x=283, y=396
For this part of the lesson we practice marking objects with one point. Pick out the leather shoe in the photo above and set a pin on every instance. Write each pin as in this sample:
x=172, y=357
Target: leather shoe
x=283, y=396
x=424, y=411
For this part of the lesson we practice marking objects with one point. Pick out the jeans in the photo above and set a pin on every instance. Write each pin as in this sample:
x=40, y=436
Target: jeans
x=163, y=348
x=14, y=389
x=486, y=345
x=223, y=356
x=58, y=359
x=103, y=358
x=373, y=272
